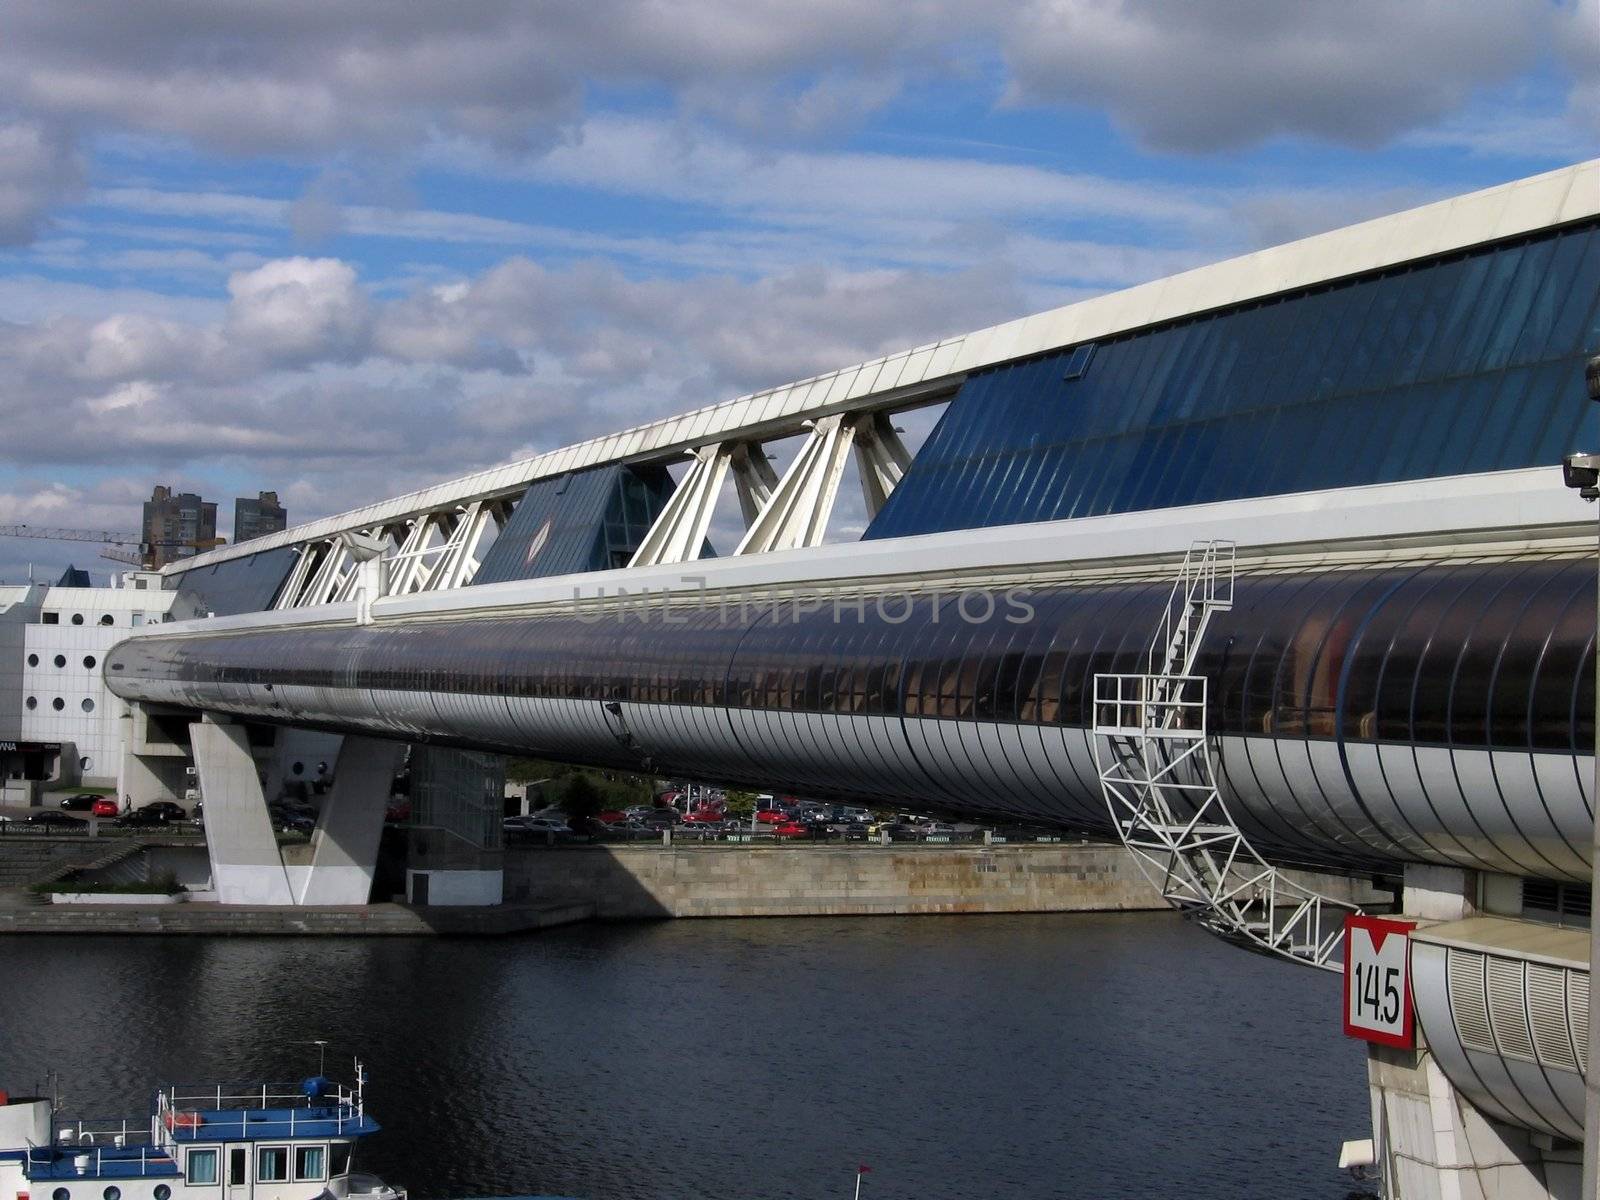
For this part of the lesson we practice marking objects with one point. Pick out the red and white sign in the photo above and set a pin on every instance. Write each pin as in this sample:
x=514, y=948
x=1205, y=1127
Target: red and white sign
x=1377, y=980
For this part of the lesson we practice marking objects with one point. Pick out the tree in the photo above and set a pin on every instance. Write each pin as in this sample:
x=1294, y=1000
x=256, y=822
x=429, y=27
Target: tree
x=741, y=804
x=581, y=801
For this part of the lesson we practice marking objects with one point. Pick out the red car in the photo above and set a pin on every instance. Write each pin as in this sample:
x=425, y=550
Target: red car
x=772, y=816
x=611, y=817
x=704, y=816
x=103, y=808
x=792, y=829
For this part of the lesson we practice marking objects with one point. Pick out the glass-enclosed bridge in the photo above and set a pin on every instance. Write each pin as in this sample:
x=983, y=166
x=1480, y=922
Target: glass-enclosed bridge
x=1374, y=416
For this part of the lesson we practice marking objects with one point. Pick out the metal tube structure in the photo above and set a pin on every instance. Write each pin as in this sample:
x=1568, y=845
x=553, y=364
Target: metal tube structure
x=1591, y=1070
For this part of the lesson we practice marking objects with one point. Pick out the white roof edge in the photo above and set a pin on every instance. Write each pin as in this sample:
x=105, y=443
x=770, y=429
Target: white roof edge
x=1506, y=210
x=1530, y=503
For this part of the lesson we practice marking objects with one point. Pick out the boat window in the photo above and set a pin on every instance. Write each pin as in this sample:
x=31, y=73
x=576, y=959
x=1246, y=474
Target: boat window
x=272, y=1164
x=238, y=1166
x=61, y=1194
x=112, y=1193
x=162, y=1192
x=339, y=1158
x=309, y=1162
x=200, y=1166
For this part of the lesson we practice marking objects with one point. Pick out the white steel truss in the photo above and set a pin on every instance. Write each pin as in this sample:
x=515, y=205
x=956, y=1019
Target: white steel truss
x=1155, y=766
x=881, y=459
x=431, y=551
x=441, y=549
x=680, y=530
x=796, y=515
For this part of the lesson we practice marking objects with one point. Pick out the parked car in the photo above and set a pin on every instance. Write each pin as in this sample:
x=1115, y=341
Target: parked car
x=80, y=803
x=164, y=811
x=57, y=819
x=772, y=816
x=612, y=816
x=103, y=807
x=792, y=829
x=139, y=819
x=536, y=828
x=659, y=818
x=705, y=816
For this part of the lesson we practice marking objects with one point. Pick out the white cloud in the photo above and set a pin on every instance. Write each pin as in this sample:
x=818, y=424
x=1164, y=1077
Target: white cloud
x=298, y=310
x=1215, y=74
x=310, y=81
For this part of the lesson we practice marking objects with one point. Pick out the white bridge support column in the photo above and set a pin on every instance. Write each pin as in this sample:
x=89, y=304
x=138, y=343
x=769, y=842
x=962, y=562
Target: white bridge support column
x=1431, y=1143
x=246, y=867
x=344, y=846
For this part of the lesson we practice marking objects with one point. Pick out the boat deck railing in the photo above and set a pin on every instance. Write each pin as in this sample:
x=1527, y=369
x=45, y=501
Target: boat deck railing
x=186, y=1113
x=99, y=1161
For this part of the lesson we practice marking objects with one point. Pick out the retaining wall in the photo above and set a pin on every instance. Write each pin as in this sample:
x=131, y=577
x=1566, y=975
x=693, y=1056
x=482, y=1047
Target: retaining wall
x=624, y=882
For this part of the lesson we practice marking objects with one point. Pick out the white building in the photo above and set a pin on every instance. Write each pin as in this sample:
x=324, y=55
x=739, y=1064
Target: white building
x=52, y=646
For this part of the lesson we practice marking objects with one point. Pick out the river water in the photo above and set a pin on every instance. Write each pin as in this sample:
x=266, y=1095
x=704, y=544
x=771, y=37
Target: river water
x=1017, y=1056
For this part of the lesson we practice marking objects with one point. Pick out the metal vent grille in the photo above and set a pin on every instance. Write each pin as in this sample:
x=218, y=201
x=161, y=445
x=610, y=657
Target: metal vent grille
x=1578, y=1013
x=1508, y=1008
x=1464, y=980
x=1547, y=1016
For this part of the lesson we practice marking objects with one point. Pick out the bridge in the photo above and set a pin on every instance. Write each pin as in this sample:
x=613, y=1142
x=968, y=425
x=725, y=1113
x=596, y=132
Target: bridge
x=1400, y=679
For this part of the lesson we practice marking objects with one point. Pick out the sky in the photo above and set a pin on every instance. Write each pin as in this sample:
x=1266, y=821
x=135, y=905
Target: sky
x=343, y=250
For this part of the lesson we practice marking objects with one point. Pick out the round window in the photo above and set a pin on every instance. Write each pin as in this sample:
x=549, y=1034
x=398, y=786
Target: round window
x=33, y=660
x=87, y=705
x=61, y=1194
x=162, y=1192
x=112, y=1193
x=86, y=764
x=88, y=662
x=105, y=619
x=77, y=618
x=32, y=703
x=61, y=660
x=58, y=704
x=299, y=768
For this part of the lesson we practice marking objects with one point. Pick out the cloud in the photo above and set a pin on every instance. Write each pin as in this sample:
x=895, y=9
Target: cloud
x=1210, y=75
x=299, y=310
x=306, y=381
x=39, y=168
x=321, y=83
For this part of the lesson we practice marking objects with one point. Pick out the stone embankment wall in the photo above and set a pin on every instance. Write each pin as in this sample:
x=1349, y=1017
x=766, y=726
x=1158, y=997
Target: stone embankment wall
x=624, y=882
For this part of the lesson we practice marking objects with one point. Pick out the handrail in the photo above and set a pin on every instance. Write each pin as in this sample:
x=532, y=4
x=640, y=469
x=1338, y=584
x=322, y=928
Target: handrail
x=1154, y=762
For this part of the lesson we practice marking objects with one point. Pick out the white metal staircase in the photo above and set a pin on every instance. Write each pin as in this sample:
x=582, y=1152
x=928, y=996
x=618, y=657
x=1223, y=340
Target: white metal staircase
x=1155, y=766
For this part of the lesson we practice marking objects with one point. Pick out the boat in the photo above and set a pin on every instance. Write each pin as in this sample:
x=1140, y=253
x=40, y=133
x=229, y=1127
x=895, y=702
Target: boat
x=198, y=1142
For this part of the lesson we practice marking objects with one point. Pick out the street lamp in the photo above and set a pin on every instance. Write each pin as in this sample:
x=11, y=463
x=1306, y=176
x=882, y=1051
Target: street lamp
x=1582, y=471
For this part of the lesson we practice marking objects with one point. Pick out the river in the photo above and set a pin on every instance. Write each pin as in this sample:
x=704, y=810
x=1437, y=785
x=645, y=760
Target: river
x=1018, y=1056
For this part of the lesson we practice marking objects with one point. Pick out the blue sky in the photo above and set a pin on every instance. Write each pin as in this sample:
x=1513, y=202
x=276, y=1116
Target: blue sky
x=344, y=250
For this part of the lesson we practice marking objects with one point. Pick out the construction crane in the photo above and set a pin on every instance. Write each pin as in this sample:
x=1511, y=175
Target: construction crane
x=108, y=539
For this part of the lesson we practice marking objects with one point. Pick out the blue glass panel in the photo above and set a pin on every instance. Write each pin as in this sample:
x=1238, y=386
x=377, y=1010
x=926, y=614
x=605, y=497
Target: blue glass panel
x=1446, y=367
x=240, y=585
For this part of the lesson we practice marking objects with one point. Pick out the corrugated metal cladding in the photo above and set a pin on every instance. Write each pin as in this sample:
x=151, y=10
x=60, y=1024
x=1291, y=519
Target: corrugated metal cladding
x=584, y=521
x=240, y=585
x=1468, y=363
